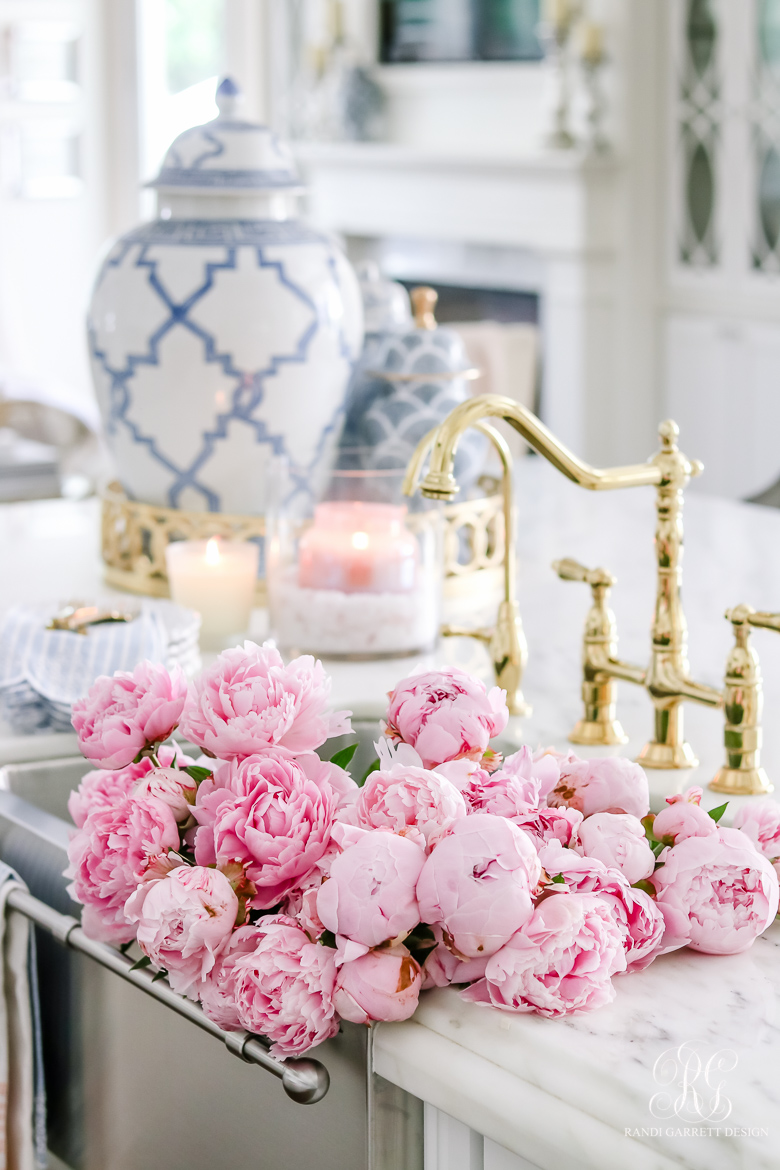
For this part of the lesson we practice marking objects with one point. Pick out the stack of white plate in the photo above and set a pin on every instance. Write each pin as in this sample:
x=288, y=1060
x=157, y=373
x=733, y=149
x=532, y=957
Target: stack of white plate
x=43, y=672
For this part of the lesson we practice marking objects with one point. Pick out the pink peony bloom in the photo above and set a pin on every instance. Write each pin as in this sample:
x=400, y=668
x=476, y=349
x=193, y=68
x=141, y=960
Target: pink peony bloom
x=106, y=788
x=441, y=968
x=683, y=818
x=445, y=715
x=248, y=701
x=108, y=857
x=522, y=783
x=613, y=785
x=217, y=992
x=121, y=715
x=641, y=922
x=369, y=896
x=727, y=891
x=184, y=922
x=477, y=884
x=413, y=802
x=381, y=985
x=760, y=821
x=268, y=816
x=173, y=786
x=330, y=777
x=618, y=839
x=284, y=987
x=550, y=824
x=562, y=960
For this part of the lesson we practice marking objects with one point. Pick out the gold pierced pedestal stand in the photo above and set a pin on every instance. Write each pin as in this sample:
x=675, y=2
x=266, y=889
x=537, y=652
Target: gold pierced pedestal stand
x=135, y=536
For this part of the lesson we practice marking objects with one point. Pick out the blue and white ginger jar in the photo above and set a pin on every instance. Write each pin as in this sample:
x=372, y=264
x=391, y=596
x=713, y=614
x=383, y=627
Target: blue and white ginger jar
x=224, y=332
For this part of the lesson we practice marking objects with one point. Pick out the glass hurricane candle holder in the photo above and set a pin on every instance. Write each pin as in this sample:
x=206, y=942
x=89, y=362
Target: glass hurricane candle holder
x=358, y=575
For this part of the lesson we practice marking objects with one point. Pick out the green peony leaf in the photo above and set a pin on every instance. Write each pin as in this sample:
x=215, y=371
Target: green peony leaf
x=646, y=886
x=196, y=773
x=328, y=939
x=141, y=963
x=559, y=879
x=717, y=813
x=374, y=768
x=343, y=758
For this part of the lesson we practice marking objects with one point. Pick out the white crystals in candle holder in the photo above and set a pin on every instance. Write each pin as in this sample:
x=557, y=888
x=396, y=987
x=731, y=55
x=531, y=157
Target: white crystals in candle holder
x=218, y=579
x=336, y=623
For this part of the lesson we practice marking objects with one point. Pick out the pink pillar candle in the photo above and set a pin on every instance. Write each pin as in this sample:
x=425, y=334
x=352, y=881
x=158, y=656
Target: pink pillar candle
x=358, y=548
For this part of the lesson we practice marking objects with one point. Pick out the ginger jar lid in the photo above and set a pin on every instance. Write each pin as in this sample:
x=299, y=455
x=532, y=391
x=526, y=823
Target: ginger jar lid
x=227, y=155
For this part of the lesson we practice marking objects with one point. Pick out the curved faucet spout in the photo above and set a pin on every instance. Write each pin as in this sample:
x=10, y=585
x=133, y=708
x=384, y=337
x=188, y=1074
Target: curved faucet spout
x=442, y=443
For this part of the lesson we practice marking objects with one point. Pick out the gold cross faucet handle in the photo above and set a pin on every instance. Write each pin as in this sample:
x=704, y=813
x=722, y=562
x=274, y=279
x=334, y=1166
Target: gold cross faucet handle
x=742, y=774
x=742, y=614
x=571, y=570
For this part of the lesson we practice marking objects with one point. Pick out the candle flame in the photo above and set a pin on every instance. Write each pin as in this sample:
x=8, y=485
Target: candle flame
x=212, y=552
x=360, y=540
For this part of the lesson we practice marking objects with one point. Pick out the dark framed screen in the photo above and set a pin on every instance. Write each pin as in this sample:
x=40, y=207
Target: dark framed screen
x=459, y=30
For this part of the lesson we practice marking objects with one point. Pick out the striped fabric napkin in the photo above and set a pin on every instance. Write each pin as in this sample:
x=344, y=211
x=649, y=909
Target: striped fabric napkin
x=43, y=672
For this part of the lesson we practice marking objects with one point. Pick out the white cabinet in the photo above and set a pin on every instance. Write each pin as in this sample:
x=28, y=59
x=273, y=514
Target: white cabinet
x=451, y=1145
x=723, y=388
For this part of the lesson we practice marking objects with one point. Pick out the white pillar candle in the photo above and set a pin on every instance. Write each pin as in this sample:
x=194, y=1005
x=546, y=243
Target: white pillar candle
x=217, y=578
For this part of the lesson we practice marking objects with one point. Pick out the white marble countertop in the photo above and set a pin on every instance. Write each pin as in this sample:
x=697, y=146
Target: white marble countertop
x=563, y=1093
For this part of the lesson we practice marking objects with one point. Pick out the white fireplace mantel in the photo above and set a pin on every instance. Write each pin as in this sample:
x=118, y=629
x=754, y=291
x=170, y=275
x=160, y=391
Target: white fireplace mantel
x=542, y=221
x=555, y=202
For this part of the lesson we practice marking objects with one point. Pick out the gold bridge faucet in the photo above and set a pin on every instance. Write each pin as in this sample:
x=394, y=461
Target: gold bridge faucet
x=667, y=678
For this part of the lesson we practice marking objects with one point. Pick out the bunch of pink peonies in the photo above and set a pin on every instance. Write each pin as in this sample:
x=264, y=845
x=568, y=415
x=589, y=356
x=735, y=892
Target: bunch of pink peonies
x=272, y=888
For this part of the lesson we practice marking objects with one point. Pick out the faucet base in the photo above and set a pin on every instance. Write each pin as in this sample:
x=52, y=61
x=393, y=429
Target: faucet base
x=667, y=755
x=608, y=732
x=742, y=782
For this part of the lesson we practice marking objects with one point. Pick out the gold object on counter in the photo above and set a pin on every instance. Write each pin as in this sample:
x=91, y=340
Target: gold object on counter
x=742, y=774
x=600, y=665
x=667, y=679
x=76, y=617
x=135, y=536
x=506, y=639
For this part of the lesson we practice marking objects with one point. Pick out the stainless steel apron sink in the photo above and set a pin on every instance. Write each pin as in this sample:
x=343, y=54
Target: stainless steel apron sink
x=130, y=1085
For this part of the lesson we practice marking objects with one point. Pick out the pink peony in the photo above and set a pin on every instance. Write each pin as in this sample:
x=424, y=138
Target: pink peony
x=522, y=783
x=301, y=904
x=445, y=715
x=106, y=788
x=613, y=785
x=381, y=985
x=369, y=896
x=477, y=884
x=641, y=922
x=760, y=821
x=173, y=786
x=248, y=701
x=284, y=987
x=720, y=887
x=217, y=992
x=562, y=960
x=184, y=923
x=441, y=968
x=411, y=801
x=550, y=824
x=121, y=715
x=268, y=816
x=108, y=857
x=683, y=818
x=618, y=839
